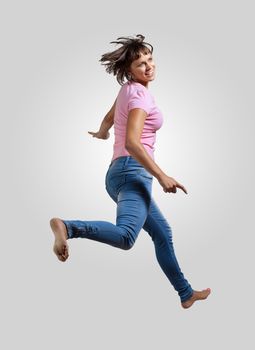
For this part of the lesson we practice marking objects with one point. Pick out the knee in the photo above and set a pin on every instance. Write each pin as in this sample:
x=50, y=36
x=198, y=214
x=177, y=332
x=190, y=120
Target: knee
x=128, y=238
x=127, y=244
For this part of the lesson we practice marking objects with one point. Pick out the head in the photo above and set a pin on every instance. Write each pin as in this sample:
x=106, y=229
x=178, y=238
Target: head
x=133, y=60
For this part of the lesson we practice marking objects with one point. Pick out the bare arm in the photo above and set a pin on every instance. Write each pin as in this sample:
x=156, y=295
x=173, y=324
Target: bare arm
x=135, y=124
x=106, y=125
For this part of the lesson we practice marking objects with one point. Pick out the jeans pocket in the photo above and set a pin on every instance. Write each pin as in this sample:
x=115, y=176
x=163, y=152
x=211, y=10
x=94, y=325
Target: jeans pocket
x=114, y=183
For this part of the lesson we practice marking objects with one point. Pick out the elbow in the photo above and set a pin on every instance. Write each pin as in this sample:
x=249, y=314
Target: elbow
x=131, y=147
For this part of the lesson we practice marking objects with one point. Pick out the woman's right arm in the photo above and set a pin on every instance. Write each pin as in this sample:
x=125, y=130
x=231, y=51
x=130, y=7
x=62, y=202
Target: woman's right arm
x=106, y=124
x=135, y=124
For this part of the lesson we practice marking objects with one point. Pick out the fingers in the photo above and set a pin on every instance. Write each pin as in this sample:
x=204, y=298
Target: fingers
x=170, y=189
x=181, y=187
x=173, y=188
x=92, y=133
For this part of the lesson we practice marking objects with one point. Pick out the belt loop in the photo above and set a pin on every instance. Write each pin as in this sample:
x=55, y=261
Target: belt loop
x=126, y=161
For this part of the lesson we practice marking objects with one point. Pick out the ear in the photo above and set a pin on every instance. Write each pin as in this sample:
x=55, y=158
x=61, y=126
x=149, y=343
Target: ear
x=129, y=75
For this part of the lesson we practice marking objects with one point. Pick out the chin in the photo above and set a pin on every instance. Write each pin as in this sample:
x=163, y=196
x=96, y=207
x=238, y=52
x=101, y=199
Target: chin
x=150, y=78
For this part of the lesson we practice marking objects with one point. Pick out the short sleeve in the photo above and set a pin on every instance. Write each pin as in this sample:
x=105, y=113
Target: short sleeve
x=139, y=99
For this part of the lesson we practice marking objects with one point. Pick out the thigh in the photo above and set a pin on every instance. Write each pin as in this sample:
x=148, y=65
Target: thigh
x=129, y=185
x=156, y=224
x=133, y=203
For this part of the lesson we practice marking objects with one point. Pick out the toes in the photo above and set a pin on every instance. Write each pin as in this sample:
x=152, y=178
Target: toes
x=65, y=256
x=65, y=253
x=61, y=258
x=61, y=252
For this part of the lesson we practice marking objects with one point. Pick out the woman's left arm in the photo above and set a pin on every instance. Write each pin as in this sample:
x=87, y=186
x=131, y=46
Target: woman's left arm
x=106, y=125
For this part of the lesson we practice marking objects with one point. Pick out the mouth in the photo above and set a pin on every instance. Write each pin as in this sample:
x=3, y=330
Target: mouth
x=150, y=73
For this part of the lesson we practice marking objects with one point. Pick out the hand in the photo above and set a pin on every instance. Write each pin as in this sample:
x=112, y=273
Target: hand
x=169, y=184
x=100, y=135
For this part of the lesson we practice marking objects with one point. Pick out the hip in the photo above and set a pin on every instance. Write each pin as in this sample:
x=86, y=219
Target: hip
x=127, y=165
x=126, y=170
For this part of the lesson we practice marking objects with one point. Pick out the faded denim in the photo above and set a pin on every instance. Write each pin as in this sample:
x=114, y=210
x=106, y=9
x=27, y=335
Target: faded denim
x=129, y=185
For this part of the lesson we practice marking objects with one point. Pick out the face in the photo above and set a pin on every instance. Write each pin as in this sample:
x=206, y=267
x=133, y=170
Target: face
x=142, y=70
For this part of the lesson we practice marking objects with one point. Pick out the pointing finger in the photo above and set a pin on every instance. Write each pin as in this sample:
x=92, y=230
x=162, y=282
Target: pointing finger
x=182, y=188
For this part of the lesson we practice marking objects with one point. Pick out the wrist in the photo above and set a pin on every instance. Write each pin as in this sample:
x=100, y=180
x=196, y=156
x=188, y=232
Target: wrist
x=103, y=130
x=105, y=126
x=160, y=175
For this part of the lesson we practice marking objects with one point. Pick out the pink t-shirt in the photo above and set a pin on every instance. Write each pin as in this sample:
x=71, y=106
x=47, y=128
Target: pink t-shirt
x=135, y=95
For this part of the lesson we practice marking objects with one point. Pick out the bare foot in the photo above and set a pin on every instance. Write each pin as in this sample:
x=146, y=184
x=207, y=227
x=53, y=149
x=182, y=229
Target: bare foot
x=60, y=247
x=197, y=295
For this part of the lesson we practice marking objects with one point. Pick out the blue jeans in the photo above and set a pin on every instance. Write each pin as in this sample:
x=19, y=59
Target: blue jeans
x=129, y=184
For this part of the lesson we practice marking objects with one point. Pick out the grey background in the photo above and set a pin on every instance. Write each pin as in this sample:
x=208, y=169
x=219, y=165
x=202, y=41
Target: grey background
x=54, y=90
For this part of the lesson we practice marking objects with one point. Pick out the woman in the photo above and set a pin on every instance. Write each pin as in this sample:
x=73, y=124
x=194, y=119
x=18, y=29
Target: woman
x=128, y=181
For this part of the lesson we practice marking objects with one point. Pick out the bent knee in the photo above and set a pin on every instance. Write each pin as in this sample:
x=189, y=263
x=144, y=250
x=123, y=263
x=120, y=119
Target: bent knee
x=127, y=244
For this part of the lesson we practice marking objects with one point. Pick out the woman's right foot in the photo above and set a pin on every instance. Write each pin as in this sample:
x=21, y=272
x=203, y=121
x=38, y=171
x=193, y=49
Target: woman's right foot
x=197, y=295
x=60, y=247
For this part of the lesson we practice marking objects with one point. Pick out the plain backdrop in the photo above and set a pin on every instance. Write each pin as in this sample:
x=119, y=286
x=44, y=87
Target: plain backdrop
x=53, y=91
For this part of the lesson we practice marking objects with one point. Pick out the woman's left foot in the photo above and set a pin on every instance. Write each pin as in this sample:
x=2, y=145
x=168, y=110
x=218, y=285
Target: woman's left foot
x=60, y=247
x=197, y=295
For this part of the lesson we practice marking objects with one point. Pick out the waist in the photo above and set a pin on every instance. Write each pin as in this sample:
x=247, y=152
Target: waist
x=123, y=161
x=125, y=165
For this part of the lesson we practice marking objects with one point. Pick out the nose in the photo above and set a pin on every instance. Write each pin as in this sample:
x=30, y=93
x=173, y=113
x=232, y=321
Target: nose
x=149, y=67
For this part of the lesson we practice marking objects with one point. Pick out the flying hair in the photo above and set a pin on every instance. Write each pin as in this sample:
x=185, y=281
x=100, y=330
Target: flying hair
x=118, y=61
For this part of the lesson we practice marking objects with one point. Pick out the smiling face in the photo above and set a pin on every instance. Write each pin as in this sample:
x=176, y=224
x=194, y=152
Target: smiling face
x=142, y=70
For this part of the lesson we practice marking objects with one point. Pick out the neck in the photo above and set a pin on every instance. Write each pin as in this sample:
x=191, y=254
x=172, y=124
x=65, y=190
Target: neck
x=144, y=84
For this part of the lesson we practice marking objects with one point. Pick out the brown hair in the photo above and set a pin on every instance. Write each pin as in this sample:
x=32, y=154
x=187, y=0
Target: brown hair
x=119, y=61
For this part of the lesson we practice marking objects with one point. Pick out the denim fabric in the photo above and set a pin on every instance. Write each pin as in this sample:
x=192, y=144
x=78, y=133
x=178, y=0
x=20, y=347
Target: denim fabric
x=129, y=185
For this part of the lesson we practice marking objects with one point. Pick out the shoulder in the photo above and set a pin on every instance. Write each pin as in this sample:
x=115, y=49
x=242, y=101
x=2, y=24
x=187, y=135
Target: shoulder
x=131, y=87
x=139, y=97
x=130, y=90
x=137, y=90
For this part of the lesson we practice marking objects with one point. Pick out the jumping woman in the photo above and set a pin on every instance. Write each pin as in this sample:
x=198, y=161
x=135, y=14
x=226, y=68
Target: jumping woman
x=129, y=177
